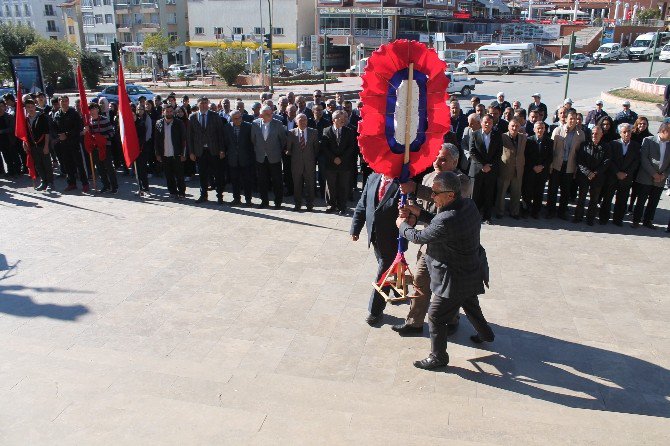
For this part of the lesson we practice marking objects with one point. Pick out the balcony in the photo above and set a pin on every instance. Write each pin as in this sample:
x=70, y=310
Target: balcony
x=123, y=27
x=335, y=31
x=151, y=25
x=53, y=29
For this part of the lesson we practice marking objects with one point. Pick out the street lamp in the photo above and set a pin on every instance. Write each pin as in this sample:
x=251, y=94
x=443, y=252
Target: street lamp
x=199, y=52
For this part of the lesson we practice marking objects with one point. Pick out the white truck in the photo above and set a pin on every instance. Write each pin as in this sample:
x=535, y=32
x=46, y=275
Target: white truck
x=460, y=83
x=643, y=47
x=500, y=58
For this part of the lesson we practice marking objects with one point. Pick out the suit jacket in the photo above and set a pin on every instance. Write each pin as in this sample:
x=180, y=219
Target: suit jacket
x=650, y=161
x=458, y=125
x=212, y=134
x=275, y=144
x=593, y=158
x=479, y=156
x=452, y=254
x=303, y=160
x=512, y=158
x=307, y=112
x=594, y=116
x=239, y=150
x=558, y=135
x=178, y=134
x=281, y=117
x=537, y=154
x=628, y=163
x=345, y=150
x=320, y=126
x=622, y=117
x=502, y=126
x=379, y=217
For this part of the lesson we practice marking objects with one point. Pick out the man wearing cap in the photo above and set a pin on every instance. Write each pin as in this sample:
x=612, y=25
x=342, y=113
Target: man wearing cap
x=501, y=103
x=538, y=105
x=594, y=115
x=205, y=138
x=626, y=115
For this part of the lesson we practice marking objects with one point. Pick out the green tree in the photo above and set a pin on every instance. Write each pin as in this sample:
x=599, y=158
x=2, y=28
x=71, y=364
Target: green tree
x=13, y=42
x=91, y=68
x=158, y=44
x=55, y=58
x=228, y=64
x=648, y=13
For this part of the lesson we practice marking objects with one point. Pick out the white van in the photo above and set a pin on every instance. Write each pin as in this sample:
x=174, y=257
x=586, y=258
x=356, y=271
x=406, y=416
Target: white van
x=643, y=47
x=665, y=53
x=609, y=51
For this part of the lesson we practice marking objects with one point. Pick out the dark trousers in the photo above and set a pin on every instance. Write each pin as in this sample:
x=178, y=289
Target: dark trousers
x=74, y=163
x=288, y=174
x=650, y=195
x=321, y=174
x=338, y=187
x=11, y=156
x=533, y=184
x=385, y=253
x=484, y=193
x=209, y=167
x=242, y=179
x=562, y=179
x=22, y=155
x=443, y=310
x=43, y=165
x=143, y=168
x=619, y=189
x=593, y=188
x=633, y=196
x=173, y=167
x=270, y=174
x=105, y=168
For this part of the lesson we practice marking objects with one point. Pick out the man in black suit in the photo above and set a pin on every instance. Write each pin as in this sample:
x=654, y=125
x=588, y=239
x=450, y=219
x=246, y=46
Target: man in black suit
x=539, y=153
x=500, y=102
x=320, y=123
x=624, y=162
x=339, y=147
x=485, y=152
x=301, y=103
x=499, y=124
x=455, y=262
x=206, y=147
x=592, y=166
x=240, y=156
x=377, y=209
x=170, y=147
x=539, y=106
x=459, y=122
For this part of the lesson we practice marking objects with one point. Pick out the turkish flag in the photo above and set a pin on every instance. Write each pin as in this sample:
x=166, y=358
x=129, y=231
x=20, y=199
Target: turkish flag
x=89, y=143
x=129, y=140
x=21, y=132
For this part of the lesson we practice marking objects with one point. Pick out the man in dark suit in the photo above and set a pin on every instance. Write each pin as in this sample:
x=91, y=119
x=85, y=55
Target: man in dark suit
x=499, y=124
x=653, y=172
x=240, y=157
x=624, y=162
x=303, y=148
x=539, y=155
x=459, y=122
x=269, y=139
x=592, y=166
x=377, y=209
x=539, y=106
x=206, y=147
x=170, y=147
x=455, y=262
x=485, y=152
x=320, y=123
x=500, y=102
x=301, y=103
x=593, y=116
x=340, y=151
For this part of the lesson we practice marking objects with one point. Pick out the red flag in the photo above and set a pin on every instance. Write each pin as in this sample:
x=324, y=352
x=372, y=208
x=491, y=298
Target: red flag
x=89, y=139
x=21, y=132
x=129, y=140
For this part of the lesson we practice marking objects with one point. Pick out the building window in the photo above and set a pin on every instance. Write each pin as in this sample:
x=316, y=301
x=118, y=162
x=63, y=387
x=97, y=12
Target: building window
x=51, y=26
x=97, y=2
x=173, y=36
x=70, y=30
x=172, y=18
x=238, y=30
x=8, y=11
x=17, y=11
x=48, y=10
x=218, y=30
x=199, y=30
x=139, y=37
x=107, y=2
x=278, y=31
x=88, y=20
x=26, y=9
x=109, y=18
x=138, y=19
x=258, y=30
x=169, y=2
x=98, y=19
x=127, y=37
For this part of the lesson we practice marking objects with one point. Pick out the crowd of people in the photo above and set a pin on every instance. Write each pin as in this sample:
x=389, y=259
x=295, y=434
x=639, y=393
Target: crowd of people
x=308, y=148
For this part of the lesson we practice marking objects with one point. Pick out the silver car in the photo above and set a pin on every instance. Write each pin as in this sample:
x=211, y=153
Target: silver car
x=579, y=60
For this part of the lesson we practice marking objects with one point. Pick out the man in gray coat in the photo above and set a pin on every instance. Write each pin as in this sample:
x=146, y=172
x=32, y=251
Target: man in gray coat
x=269, y=139
x=454, y=260
x=654, y=170
x=302, y=149
x=205, y=141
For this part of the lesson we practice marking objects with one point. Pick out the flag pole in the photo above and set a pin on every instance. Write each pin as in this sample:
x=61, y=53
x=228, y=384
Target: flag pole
x=90, y=158
x=137, y=177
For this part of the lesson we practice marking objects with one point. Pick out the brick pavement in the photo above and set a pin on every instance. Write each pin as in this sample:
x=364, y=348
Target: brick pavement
x=162, y=323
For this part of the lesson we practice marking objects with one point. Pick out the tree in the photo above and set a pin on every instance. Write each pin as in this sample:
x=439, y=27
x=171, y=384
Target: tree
x=648, y=13
x=91, y=68
x=228, y=64
x=13, y=42
x=158, y=44
x=55, y=58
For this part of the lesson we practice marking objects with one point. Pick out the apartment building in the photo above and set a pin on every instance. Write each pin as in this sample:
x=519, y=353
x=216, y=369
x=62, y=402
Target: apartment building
x=42, y=15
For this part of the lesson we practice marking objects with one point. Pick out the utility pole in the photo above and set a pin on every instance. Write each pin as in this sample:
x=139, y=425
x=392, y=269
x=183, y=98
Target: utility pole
x=323, y=60
x=260, y=49
x=272, y=88
x=567, y=78
x=381, y=39
x=653, y=54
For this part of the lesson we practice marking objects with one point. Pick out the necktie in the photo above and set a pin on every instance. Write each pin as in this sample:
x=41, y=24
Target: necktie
x=202, y=120
x=302, y=140
x=337, y=135
x=382, y=189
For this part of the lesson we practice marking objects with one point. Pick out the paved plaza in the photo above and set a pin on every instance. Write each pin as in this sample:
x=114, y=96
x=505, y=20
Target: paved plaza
x=155, y=322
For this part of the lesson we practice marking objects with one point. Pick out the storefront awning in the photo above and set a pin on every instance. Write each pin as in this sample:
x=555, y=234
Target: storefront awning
x=237, y=44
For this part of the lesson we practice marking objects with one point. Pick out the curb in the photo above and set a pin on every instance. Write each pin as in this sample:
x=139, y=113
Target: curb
x=616, y=100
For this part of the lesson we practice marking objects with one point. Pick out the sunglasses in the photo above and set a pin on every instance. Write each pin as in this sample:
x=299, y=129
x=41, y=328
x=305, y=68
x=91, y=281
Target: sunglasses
x=435, y=194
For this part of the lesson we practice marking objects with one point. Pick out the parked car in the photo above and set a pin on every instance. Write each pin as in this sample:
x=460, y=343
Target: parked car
x=134, y=92
x=460, y=83
x=579, y=60
x=609, y=51
x=185, y=70
x=665, y=53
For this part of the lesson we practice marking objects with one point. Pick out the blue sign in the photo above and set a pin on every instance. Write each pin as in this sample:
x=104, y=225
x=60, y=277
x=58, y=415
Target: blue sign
x=608, y=35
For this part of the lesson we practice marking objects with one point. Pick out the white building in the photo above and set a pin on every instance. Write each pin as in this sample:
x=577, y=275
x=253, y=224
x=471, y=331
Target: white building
x=99, y=25
x=293, y=22
x=43, y=15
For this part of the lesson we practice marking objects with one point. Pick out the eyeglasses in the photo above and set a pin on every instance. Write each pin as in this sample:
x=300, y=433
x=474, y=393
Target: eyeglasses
x=436, y=193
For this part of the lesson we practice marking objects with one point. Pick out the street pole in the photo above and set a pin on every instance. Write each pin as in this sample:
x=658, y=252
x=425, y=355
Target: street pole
x=272, y=88
x=653, y=54
x=567, y=78
x=323, y=60
x=381, y=39
x=260, y=49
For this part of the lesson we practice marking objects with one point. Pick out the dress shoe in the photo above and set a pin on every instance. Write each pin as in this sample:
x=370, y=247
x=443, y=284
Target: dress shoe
x=202, y=199
x=431, y=362
x=649, y=225
x=236, y=202
x=103, y=190
x=488, y=222
x=589, y=222
x=297, y=208
x=219, y=200
x=635, y=225
x=86, y=188
x=602, y=222
x=667, y=229
x=331, y=210
x=49, y=189
x=41, y=187
x=310, y=208
x=262, y=205
x=115, y=190
x=343, y=213
x=478, y=339
x=403, y=329
x=277, y=206
x=373, y=320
